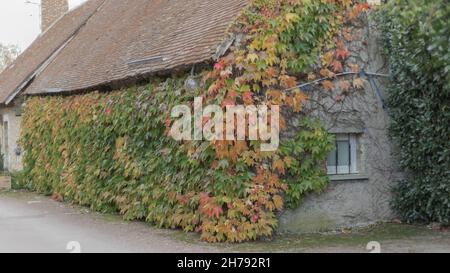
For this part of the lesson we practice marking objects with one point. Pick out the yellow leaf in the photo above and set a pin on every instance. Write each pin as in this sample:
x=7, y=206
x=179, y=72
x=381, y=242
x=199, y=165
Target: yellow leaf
x=279, y=166
x=278, y=202
x=288, y=160
x=291, y=17
x=358, y=83
x=311, y=76
x=283, y=65
x=327, y=58
x=252, y=57
x=354, y=68
x=327, y=73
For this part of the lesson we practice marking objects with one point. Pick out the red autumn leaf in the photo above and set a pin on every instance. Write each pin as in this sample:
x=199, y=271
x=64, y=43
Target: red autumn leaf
x=216, y=211
x=337, y=66
x=219, y=65
x=168, y=122
x=232, y=94
x=205, y=120
x=342, y=53
x=228, y=102
x=247, y=97
x=204, y=198
x=255, y=218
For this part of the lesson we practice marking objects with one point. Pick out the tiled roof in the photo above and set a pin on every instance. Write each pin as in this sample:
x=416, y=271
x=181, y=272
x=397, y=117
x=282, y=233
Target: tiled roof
x=22, y=70
x=129, y=39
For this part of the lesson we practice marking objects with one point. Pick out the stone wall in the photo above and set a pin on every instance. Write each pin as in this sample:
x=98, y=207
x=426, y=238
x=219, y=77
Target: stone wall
x=355, y=199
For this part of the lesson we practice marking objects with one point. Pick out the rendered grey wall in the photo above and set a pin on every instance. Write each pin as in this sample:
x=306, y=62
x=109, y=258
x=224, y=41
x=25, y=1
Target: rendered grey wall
x=14, y=161
x=353, y=200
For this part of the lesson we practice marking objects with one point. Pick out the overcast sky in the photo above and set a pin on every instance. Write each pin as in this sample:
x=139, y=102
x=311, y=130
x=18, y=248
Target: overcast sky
x=20, y=23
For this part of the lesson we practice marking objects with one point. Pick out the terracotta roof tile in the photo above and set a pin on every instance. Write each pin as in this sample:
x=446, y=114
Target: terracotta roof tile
x=131, y=38
x=42, y=48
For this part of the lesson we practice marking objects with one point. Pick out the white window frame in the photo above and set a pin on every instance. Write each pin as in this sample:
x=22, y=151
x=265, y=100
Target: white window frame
x=352, y=168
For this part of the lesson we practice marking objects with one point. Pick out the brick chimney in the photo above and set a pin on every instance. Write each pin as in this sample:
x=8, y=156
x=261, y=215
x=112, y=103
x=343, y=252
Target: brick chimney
x=51, y=10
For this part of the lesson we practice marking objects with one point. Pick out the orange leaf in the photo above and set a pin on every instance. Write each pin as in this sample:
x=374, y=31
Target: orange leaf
x=354, y=68
x=345, y=85
x=328, y=85
x=337, y=66
x=288, y=81
x=326, y=73
x=358, y=83
x=347, y=35
x=301, y=96
x=279, y=166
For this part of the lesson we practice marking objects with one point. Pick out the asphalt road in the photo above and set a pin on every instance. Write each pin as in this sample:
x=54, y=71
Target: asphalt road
x=32, y=223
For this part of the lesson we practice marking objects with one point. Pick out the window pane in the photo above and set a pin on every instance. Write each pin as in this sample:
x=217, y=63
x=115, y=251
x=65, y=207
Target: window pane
x=331, y=162
x=353, y=154
x=332, y=158
x=343, y=150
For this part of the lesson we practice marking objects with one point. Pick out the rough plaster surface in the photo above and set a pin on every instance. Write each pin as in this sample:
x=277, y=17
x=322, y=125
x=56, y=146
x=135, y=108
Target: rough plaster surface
x=13, y=162
x=352, y=203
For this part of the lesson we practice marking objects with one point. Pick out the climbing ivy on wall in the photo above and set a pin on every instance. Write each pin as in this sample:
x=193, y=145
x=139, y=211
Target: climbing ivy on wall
x=416, y=36
x=112, y=151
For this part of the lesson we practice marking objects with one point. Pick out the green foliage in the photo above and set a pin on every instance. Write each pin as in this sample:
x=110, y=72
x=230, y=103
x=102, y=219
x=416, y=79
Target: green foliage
x=416, y=37
x=305, y=37
x=17, y=178
x=307, y=173
x=111, y=151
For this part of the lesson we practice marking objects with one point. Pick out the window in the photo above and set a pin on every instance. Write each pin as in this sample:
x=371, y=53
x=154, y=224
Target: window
x=343, y=159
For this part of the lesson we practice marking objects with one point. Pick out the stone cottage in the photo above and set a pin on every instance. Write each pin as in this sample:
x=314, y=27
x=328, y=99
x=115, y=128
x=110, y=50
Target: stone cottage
x=108, y=44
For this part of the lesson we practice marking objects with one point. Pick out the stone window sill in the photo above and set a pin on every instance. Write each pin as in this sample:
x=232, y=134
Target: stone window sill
x=348, y=177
